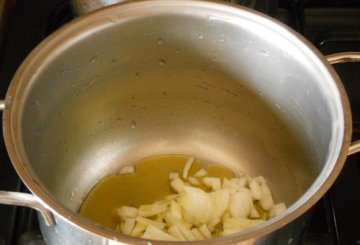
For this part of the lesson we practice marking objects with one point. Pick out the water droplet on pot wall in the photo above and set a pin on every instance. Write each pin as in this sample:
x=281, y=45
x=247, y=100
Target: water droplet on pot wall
x=133, y=124
x=113, y=64
x=162, y=62
x=160, y=41
x=93, y=59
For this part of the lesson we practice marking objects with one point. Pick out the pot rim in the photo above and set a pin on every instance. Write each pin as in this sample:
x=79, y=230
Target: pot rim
x=82, y=27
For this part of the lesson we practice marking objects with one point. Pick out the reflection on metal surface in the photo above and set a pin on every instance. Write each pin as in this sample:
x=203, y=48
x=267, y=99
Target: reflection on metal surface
x=82, y=7
x=346, y=57
x=343, y=57
x=2, y=105
x=27, y=200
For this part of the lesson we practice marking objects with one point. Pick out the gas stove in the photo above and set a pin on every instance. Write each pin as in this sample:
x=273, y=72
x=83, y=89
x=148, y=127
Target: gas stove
x=331, y=25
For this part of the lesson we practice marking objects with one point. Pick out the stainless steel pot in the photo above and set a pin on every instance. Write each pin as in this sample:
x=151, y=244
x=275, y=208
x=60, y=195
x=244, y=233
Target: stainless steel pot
x=208, y=79
x=81, y=7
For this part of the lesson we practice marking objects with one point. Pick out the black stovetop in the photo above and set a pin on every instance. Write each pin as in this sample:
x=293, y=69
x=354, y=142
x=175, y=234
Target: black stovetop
x=331, y=25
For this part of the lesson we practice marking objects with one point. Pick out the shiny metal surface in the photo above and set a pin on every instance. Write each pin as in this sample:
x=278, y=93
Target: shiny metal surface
x=24, y=199
x=2, y=105
x=343, y=57
x=27, y=200
x=207, y=79
x=82, y=7
x=346, y=57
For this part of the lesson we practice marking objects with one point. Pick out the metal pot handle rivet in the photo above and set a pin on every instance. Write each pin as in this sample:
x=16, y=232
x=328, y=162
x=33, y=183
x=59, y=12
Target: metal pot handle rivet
x=346, y=57
x=25, y=199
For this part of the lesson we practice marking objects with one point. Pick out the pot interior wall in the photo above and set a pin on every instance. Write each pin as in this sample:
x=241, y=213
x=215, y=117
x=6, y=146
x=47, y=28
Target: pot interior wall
x=223, y=91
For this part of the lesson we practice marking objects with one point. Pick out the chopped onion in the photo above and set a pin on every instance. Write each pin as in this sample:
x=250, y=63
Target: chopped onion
x=201, y=173
x=173, y=175
x=127, y=212
x=240, y=204
x=277, y=209
x=255, y=189
x=187, y=167
x=254, y=213
x=178, y=185
x=240, y=224
x=197, y=203
x=220, y=200
x=127, y=169
x=226, y=207
x=212, y=182
x=148, y=222
x=154, y=233
x=174, y=231
x=138, y=229
x=183, y=228
x=176, y=210
x=128, y=226
x=194, y=181
x=205, y=231
x=152, y=209
x=196, y=232
x=266, y=201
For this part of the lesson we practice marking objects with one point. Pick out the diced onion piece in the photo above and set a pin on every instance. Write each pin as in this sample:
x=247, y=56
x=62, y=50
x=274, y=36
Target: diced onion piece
x=239, y=224
x=127, y=169
x=254, y=213
x=127, y=212
x=128, y=226
x=205, y=231
x=154, y=233
x=187, y=167
x=200, y=173
x=187, y=218
x=260, y=179
x=235, y=184
x=118, y=227
x=220, y=200
x=225, y=183
x=194, y=181
x=197, y=203
x=152, y=209
x=255, y=189
x=173, y=175
x=147, y=222
x=178, y=185
x=240, y=204
x=175, y=210
x=277, y=209
x=174, y=231
x=183, y=228
x=197, y=234
x=212, y=182
x=138, y=229
x=172, y=197
x=266, y=201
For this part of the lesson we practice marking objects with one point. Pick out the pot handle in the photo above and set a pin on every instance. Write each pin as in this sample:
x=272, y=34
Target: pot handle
x=346, y=57
x=25, y=199
x=82, y=7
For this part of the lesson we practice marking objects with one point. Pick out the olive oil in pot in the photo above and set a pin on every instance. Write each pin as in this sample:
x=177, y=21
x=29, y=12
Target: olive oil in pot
x=149, y=183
